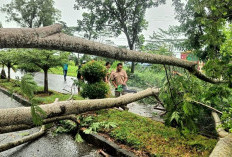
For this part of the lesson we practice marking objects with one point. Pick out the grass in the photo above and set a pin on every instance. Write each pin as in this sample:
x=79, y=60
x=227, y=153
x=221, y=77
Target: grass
x=14, y=87
x=72, y=70
x=144, y=76
x=153, y=137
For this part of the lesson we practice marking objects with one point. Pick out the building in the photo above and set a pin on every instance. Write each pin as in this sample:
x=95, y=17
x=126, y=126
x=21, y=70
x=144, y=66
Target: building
x=187, y=55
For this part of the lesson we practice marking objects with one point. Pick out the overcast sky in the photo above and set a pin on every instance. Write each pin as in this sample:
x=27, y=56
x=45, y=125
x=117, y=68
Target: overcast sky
x=160, y=17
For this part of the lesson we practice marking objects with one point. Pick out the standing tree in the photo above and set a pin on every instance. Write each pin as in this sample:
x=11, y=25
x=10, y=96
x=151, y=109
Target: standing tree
x=9, y=59
x=44, y=60
x=31, y=13
x=119, y=16
x=202, y=23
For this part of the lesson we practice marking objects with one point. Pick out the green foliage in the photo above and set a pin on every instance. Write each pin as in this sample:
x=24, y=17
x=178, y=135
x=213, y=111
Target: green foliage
x=182, y=112
x=66, y=126
x=116, y=16
x=43, y=59
x=28, y=86
x=92, y=126
x=93, y=71
x=37, y=114
x=96, y=90
x=8, y=58
x=202, y=23
x=78, y=138
x=226, y=118
x=146, y=76
x=28, y=67
x=72, y=69
x=153, y=137
x=207, y=26
x=177, y=98
x=31, y=13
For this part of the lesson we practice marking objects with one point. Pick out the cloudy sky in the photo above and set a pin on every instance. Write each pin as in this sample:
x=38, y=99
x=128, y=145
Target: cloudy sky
x=160, y=17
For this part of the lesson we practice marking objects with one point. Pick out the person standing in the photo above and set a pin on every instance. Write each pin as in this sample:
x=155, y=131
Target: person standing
x=65, y=70
x=119, y=77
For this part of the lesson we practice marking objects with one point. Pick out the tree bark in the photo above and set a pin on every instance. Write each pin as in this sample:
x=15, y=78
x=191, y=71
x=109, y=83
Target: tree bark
x=45, y=80
x=132, y=67
x=50, y=38
x=8, y=77
x=18, y=127
x=23, y=140
x=22, y=115
x=224, y=145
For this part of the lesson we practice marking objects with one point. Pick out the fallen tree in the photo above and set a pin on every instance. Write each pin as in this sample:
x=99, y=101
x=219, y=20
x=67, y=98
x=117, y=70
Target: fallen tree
x=50, y=37
x=22, y=115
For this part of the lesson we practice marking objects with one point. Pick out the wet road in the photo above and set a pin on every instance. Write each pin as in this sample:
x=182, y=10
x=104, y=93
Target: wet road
x=61, y=145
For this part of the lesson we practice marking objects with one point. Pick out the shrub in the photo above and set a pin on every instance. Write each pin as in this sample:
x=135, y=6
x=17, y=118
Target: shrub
x=96, y=90
x=93, y=71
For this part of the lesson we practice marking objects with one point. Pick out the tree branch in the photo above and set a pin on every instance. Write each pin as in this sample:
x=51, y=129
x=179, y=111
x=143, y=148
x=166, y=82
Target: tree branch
x=209, y=107
x=23, y=140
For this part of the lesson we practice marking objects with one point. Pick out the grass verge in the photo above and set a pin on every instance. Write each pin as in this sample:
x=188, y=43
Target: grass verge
x=14, y=87
x=151, y=137
x=72, y=70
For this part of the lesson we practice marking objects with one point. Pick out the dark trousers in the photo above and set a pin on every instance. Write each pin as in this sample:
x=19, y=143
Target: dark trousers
x=65, y=74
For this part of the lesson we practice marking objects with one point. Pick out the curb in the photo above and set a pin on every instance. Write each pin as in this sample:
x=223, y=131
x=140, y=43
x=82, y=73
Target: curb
x=16, y=97
x=108, y=146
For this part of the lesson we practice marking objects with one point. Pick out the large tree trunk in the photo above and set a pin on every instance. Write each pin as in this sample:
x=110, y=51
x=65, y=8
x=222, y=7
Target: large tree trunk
x=22, y=115
x=45, y=80
x=224, y=145
x=51, y=38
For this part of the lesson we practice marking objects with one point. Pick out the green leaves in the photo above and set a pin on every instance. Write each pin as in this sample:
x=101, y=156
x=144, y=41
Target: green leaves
x=78, y=138
x=28, y=86
x=176, y=116
x=93, y=71
x=37, y=114
x=202, y=23
x=92, y=126
x=31, y=13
